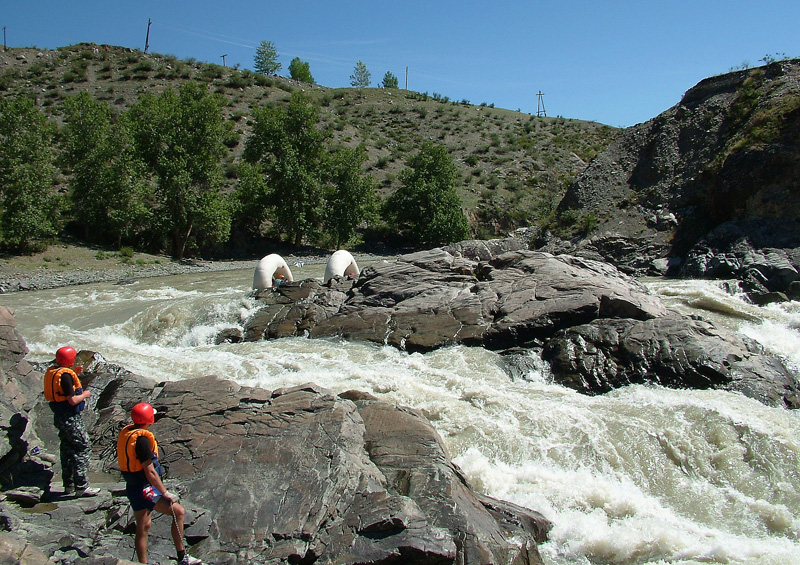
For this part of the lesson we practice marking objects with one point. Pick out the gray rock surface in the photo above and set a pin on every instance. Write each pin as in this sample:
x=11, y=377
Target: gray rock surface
x=673, y=351
x=431, y=299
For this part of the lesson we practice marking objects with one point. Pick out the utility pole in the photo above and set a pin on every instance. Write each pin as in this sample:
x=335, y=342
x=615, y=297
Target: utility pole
x=4, y=39
x=223, y=59
x=406, y=78
x=540, y=111
x=147, y=39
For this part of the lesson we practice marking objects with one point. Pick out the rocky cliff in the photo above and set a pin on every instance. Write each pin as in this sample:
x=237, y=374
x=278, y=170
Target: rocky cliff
x=709, y=188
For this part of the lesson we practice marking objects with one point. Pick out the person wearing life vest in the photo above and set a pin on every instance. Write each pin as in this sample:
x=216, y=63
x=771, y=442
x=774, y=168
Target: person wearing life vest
x=67, y=398
x=137, y=456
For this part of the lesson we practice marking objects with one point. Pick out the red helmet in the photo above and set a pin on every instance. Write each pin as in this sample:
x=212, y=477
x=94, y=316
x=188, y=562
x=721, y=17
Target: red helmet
x=65, y=356
x=143, y=413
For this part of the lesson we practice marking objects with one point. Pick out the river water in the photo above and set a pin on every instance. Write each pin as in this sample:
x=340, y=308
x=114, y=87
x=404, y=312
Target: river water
x=641, y=475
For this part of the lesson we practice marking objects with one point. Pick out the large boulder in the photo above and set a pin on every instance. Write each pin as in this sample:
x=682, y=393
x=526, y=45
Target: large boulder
x=673, y=351
x=301, y=475
x=22, y=462
x=431, y=299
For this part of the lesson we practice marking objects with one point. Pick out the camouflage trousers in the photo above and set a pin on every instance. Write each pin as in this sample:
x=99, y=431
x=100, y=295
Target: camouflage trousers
x=75, y=449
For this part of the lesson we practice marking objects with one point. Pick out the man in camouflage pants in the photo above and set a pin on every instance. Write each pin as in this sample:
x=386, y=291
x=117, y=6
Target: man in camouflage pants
x=64, y=392
x=76, y=447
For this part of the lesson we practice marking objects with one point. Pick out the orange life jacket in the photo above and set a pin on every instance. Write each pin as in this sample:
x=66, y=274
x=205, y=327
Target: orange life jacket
x=126, y=448
x=52, y=384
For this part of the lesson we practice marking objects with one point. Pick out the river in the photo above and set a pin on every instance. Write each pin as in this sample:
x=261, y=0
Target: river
x=641, y=475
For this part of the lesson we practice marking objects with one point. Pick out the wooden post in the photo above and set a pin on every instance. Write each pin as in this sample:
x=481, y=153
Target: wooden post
x=147, y=39
x=540, y=111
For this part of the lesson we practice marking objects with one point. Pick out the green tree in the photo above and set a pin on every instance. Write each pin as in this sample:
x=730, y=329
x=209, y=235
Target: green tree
x=389, y=80
x=361, y=76
x=350, y=198
x=110, y=191
x=426, y=209
x=29, y=206
x=299, y=70
x=180, y=138
x=266, y=59
x=291, y=153
x=253, y=200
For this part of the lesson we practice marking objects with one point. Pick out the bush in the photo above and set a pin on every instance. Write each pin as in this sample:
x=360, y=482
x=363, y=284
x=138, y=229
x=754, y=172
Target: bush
x=237, y=80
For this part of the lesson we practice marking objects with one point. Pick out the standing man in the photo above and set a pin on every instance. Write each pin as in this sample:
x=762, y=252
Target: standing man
x=63, y=390
x=137, y=455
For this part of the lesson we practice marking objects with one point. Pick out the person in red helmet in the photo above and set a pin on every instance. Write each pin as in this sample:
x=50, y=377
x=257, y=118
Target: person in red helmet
x=137, y=455
x=67, y=398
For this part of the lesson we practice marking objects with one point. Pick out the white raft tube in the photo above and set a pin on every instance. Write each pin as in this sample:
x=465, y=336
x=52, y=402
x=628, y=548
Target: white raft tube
x=340, y=264
x=270, y=269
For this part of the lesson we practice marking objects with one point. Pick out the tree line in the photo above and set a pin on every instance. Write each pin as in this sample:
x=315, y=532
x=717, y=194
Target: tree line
x=151, y=177
x=266, y=62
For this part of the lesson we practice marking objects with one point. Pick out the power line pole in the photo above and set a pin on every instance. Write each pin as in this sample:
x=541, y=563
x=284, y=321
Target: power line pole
x=223, y=59
x=4, y=39
x=540, y=111
x=406, y=78
x=147, y=39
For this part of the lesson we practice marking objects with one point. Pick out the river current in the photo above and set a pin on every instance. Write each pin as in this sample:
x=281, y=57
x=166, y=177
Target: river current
x=641, y=475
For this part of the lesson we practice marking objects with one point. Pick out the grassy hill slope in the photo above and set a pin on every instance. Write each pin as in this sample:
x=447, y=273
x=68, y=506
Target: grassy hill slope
x=514, y=167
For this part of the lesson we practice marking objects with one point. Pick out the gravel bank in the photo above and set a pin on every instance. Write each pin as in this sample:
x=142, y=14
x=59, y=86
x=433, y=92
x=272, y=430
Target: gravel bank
x=44, y=278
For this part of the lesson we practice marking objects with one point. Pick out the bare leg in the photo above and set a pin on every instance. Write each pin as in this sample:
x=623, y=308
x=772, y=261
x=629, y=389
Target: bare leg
x=178, y=515
x=142, y=529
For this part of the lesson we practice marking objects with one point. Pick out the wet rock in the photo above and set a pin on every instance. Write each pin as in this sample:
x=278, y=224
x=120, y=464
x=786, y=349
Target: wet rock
x=431, y=299
x=673, y=351
x=230, y=335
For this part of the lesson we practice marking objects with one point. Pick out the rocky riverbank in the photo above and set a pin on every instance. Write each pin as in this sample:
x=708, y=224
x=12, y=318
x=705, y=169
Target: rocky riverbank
x=45, y=278
x=65, y=265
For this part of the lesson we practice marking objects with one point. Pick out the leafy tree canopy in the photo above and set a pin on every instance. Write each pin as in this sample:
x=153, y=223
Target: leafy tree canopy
x=426, y=208
x=350, y=198
x=180, y=137
x=299, y=70
x=110, y=186
x=29, y=207
x=291, y=153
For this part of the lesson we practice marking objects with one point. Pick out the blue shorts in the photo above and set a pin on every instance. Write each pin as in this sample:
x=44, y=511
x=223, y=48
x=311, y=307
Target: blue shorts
x=138, y=499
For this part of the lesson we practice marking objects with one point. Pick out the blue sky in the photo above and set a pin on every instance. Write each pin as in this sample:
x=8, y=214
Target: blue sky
x=618, y=63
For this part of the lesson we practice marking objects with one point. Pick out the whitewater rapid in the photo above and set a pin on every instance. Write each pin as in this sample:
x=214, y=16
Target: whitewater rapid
x=641, y=475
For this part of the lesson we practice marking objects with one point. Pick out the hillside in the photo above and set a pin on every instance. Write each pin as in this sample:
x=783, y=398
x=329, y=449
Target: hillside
x=514, y=167
x=711, y=187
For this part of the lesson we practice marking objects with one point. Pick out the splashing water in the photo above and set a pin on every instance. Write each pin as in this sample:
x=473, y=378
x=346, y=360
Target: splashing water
x=641, y=475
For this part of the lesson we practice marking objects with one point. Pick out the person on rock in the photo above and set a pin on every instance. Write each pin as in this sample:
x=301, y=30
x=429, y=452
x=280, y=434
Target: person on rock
x=137, y=455
x=67, y=398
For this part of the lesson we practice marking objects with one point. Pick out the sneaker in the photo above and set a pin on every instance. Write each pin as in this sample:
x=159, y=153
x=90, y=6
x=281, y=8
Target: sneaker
x=68, y=490
x=189, y=560
x=86, y=492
